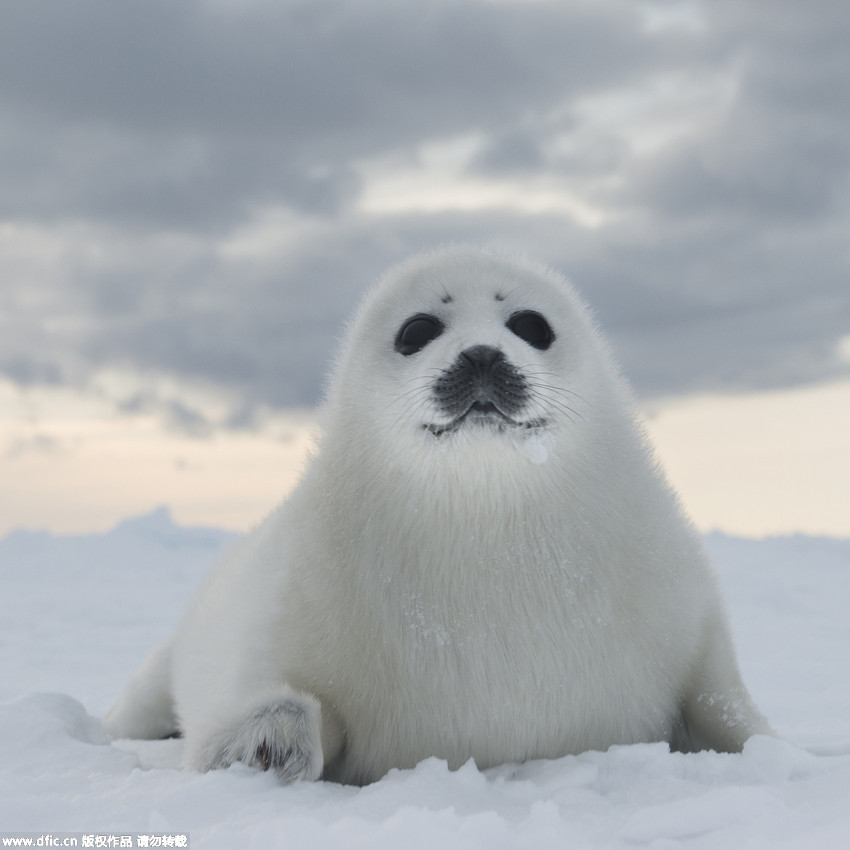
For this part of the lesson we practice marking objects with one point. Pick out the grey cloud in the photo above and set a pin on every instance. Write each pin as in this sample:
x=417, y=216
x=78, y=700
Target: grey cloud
x=268, y=337
x=177, y=415
x=102, y=173
x=765, y=163
x=309, y=71
x=164, y=127
x=28, y=370
x=783, y=150
x=515, y=151
x=693, y=308
x=168, y=112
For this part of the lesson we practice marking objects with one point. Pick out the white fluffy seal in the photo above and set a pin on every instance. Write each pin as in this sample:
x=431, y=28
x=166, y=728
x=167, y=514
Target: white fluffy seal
x=482, y=560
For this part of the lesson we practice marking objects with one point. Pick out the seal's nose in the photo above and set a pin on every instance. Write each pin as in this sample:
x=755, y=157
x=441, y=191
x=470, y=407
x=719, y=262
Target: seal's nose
x=482, y=357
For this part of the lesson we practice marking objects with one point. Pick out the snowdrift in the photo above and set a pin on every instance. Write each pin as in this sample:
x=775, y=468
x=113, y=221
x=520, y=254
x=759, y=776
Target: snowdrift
x=80, y=613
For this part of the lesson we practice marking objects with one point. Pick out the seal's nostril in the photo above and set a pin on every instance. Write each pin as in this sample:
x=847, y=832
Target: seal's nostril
x=482, y=356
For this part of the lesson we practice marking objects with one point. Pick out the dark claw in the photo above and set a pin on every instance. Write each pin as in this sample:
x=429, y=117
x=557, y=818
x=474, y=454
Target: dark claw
x=264, y=756
x=266, y=759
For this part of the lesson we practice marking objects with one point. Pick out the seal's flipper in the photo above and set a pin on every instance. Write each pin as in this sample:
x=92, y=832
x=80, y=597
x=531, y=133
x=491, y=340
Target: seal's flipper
x=282, y=732
x=719, y=712
x=146, y=707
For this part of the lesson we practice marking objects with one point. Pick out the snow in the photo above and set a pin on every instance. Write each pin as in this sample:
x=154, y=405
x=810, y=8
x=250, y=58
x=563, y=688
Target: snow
x=80, y=613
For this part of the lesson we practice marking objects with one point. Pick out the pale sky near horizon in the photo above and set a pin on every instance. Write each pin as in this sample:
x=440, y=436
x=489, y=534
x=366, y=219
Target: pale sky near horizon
x=758, y=465
x=194, y=195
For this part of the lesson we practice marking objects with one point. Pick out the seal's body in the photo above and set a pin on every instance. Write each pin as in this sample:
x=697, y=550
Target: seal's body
x=482, y=561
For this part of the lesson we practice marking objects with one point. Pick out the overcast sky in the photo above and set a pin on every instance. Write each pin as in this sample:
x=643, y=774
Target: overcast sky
x=196, y=193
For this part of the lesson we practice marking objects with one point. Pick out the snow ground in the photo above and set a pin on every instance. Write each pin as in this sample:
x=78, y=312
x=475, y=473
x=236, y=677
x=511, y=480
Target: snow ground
x=79, y=614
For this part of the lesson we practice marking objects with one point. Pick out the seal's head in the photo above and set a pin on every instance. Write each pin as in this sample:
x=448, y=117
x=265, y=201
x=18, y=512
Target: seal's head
x=468, y=348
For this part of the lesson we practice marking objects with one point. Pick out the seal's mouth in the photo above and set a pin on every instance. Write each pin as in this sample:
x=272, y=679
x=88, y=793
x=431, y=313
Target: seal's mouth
x=486, y=414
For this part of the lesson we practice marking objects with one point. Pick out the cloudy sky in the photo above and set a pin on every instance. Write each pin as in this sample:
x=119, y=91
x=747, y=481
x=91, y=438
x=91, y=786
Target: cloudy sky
x=194, y=194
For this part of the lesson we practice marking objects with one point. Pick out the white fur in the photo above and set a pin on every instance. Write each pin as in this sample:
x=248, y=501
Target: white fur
x=496, y=594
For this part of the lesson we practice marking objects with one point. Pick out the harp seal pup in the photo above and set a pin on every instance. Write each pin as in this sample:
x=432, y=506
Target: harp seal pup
x=482, y=560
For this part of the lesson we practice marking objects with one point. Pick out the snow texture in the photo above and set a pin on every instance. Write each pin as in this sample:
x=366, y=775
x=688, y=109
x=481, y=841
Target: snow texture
x=80, y=613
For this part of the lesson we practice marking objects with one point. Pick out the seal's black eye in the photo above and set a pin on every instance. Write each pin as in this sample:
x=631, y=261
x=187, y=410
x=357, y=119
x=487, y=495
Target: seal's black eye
x=531, y=327
x=417, y=332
